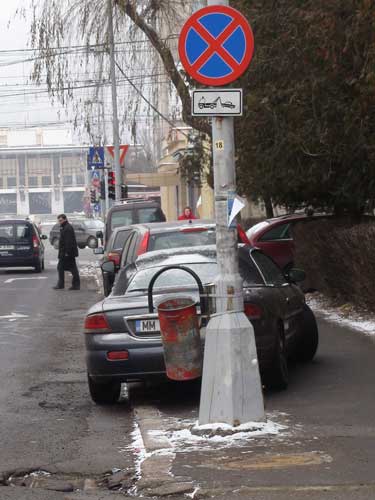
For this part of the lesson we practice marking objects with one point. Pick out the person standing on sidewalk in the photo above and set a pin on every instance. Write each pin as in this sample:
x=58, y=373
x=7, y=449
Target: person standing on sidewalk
x=68, y=251
x=187, y=214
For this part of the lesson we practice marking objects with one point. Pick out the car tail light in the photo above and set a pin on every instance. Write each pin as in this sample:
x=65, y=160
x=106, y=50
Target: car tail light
x=117, y=355
x=144, y=244
x=97, y=323
x=35, y=242
x=114, y=257
x=253, y=311
x=242, y=237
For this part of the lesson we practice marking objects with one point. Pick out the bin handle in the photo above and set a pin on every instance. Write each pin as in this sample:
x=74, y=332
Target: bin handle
x=168, y=268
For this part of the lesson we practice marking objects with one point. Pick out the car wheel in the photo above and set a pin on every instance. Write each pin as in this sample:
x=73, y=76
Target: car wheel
x=309, y=338
x=55, y=243
x=106, y=393
x=106, y=285
x=39, y=267
x=81, y=247
x=277, y=377
x=92, y=242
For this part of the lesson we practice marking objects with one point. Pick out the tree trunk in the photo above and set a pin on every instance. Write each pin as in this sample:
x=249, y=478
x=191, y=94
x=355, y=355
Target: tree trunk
x=268, y=205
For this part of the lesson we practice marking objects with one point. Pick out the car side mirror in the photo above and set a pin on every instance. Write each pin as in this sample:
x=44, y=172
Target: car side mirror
x=43, y=237
x=109, y=267
x=296, y=275
x=99, y=251
x=99, y=235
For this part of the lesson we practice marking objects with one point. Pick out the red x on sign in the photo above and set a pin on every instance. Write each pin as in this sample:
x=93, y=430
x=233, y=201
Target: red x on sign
x=216, y=45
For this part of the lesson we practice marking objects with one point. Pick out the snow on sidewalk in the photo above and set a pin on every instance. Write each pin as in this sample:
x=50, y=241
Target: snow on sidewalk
x=345, y=315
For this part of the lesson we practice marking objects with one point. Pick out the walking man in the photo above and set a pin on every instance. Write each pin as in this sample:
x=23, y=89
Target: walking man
x=68, y=251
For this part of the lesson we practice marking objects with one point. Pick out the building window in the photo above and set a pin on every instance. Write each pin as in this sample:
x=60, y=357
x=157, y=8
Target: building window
x=80, y=180
x=33, y=181
x=1, y=183
x=12, y=182
x=46, y=180
x=68, y=180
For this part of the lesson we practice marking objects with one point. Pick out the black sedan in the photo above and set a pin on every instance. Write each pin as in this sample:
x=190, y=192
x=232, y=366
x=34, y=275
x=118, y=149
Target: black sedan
x=123, y=339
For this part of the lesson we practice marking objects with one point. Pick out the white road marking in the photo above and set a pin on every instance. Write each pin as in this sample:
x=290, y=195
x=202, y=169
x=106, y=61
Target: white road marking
x=14, y=316
x=19, y=279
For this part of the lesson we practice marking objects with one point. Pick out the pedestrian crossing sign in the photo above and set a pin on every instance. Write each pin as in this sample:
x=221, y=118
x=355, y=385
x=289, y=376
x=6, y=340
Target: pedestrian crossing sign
x=95, y=158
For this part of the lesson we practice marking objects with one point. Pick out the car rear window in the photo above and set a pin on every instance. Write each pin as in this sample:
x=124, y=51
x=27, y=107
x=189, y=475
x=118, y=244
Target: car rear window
x=180, y=239
x=6, y=233
x=280, y=232
x=150, y=214
x=23, y=232
x=120, y=239
x=122, y=218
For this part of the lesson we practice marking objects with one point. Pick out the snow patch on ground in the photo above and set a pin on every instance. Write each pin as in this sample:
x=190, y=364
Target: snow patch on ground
x=346, y=315
x=191, y=437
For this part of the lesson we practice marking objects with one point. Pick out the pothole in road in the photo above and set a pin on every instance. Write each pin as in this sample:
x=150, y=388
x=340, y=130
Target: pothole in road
x=120, y=480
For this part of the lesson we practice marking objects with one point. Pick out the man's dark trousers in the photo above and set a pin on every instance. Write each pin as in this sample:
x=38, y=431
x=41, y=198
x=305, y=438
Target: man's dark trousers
x=68, y=264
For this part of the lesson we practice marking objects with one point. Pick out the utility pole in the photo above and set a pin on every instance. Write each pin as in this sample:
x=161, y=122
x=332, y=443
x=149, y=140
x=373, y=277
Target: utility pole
x=105, y=171
x=231, y=387
x=116, y=127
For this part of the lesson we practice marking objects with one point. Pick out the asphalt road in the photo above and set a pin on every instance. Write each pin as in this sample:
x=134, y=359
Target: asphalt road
x=48, y=422
x=47, y=419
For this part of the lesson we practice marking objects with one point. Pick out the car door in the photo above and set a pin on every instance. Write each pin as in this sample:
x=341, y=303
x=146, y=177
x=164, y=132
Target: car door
x=289, y=296
x=80, y=232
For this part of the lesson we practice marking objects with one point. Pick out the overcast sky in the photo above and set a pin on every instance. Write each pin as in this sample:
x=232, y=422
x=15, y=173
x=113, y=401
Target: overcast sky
x=17, y=107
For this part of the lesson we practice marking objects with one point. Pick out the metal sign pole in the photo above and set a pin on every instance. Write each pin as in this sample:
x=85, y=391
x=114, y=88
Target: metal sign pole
x=106, y=191
x=116, y=127
x=231, y=387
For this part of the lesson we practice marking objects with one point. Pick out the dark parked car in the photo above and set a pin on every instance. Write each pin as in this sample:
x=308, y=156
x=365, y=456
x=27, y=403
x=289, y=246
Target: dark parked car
x=123, y=338
x=112, y=253
x=141, y=238
x=132, y=212
x=85, y=231
x=21, y=244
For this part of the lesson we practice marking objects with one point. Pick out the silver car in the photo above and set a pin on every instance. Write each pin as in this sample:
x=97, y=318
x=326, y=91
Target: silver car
x=85, y=231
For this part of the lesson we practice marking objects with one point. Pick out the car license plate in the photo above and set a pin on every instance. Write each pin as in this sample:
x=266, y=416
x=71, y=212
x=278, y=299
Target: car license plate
x=6, y=248
x=147, y=325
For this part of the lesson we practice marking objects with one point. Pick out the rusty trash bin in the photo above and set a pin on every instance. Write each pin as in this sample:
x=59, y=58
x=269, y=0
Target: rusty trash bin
x=179, y=329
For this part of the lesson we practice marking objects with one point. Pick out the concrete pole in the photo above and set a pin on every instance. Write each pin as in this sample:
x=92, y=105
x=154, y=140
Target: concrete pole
x=231, y=387
x=116, y=127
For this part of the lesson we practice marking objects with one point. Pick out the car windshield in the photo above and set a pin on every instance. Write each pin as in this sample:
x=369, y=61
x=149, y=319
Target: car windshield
x=122, y=218
x=207, y=272
x=182, y=238
x=258, y=227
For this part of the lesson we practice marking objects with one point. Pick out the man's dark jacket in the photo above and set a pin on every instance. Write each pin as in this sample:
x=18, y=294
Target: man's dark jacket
x=68, y=248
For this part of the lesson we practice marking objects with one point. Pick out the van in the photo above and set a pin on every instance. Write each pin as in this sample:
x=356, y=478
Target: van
x=132, y=212
x=21, y=244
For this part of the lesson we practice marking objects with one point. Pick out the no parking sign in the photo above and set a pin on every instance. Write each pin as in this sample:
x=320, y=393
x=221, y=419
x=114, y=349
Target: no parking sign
x=216, y=45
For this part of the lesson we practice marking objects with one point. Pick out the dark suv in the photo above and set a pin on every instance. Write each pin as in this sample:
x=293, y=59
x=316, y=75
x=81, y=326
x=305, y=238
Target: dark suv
x=132, y=212
x=21, y=244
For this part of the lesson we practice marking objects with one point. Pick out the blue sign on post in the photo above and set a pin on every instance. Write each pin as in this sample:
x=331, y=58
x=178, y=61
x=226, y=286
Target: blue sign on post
x=95, y=158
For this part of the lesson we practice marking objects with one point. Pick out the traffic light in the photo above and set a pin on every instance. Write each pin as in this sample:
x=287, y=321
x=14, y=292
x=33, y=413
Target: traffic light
x=111, y=185
x=124, y=191
x=102, y=189
x=93, y=195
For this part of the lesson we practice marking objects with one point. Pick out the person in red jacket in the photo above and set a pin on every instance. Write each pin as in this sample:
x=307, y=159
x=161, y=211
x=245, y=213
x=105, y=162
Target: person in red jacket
x=187, y=214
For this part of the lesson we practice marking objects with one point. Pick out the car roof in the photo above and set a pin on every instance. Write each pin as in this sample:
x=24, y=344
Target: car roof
x=14, y=221
x=131, y=203
x=155, y=227
x=177, y=256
